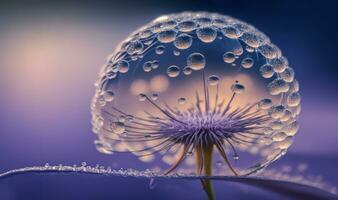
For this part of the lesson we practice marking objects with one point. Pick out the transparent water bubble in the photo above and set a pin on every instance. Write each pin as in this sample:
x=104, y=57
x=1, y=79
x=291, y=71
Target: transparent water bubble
x=183, y=41
x=160, y=49
x=167, y=36
x=206, y=34
x=213, y=80
x=196, y=61
x=229, y=57
x=173, y=71
x=247, y=63
x=181, y=101
x=195, y=73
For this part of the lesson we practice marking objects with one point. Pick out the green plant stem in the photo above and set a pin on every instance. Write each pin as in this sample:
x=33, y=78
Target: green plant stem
x=206, y=162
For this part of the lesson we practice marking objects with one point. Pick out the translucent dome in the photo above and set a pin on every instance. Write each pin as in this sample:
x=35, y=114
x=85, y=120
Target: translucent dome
x=197, y=86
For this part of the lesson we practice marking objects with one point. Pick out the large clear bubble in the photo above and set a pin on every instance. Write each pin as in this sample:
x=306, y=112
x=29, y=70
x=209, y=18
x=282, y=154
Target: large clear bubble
x=194, y=79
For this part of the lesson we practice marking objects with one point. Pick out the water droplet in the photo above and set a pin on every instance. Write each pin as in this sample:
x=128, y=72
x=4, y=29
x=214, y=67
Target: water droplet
x=213, y=80
x=265, y=104
x=181, y=101
x=111, y=75
x=249, y=49
x=294, y=86
x=237, y=88
x=147, y=66
x=276, y=125
x=108, y=96
x=176, y=53
x=292, y=128
x=186, y=26
x=196, y=61
x=231, y=32
x=266, y=71
x=167, y=36
x=277, y=111
x=123, y=66
x=269, y=51
x=155, y=64
x=219, y=163
x=204, y=21
x=288, y=75
x=287, y=115
x=279, y=64
x=247, y=63
x=278, y=86
x=142, y=97
x=154, y=96
x=160, y=49
x=229, y=57
x=117, y=127
x=173, y=71
x=238, y=51
x=279, y=136
x=206, y=34
x=285, y=143
x=187, y=71
x=183, y=41
x=293, y=99
x=252, y=39
x=134, y=47
x=235, y=157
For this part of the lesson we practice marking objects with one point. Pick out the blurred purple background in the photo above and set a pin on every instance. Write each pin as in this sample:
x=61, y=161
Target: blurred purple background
x=51, y=52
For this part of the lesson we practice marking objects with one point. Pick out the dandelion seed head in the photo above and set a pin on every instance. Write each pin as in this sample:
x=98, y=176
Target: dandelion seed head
x=195, y=79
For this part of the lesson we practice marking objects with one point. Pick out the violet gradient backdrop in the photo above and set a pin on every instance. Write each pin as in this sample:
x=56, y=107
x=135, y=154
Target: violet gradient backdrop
x=51, y=52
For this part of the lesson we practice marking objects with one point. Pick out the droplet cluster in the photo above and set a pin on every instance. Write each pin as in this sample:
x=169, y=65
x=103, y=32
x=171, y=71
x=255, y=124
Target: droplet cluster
x=166, y=64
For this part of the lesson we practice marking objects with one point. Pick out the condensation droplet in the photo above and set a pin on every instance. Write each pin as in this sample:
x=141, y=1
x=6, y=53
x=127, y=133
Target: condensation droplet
x=229, y=57
x=159, y=49
x=181, y=101
x=231, y=32
x=196, y=61
x=154, y=96
x=155, y=64
x=183, y=41
x=187, y=26
x=187, y=71
x=265, y=104
x=247, y=63
x=123, y=66
x=117, y=127
x=292, y=128
x=288, y=75
x=266, y=71
x=279, y=136
x=279, y=64
x=293, y=99
x=167, y=36
x=277, y=111
x=206, y=34
x=213, y=80
x=176, y=53
x=278, y=86
x=269, y=51
x=147, y=66
x=237, y=88
x=173, y=71
x=109, y=96
x=142, y=97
